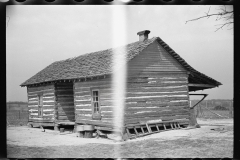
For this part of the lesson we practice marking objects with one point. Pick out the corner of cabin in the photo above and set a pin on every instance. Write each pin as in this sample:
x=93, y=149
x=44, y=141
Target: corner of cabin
x=51, y=104
x=41, y=105
x=157, y=88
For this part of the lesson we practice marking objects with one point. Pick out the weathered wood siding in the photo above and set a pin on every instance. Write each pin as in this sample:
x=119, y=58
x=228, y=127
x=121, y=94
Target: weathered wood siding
x=48, y=92
x=163, y=96
x=83, y=107
x=65, y=102
x=157, y=87
x=152, y=60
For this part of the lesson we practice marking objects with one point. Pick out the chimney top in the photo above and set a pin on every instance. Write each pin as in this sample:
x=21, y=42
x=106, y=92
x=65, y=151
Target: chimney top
x=143, y=35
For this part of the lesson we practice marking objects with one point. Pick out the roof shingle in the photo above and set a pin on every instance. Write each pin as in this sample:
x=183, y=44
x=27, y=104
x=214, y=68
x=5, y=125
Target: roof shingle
x=100, y=63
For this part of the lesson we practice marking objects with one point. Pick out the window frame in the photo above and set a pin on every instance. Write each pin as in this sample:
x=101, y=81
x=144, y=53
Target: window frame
x=96, y=115
x=40, y=105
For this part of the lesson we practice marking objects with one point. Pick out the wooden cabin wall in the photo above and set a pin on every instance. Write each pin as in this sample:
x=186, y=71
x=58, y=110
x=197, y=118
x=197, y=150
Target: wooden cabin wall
x=82, y=102
x=48, y=92
x=157, y=87
x=160, y=96
x=65, y=102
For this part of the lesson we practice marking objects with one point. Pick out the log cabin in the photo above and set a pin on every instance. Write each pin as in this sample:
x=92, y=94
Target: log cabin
x=79, y=90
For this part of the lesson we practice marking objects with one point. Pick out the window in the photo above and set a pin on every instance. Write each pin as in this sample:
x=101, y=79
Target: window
x=95, y=102
x=40, y=105
x=96, y=105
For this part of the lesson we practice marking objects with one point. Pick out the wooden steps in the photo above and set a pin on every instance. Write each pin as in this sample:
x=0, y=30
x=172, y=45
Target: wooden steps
x=140, y=130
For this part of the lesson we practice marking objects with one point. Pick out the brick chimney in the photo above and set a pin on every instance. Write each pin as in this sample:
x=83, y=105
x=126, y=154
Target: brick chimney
x=143, y=35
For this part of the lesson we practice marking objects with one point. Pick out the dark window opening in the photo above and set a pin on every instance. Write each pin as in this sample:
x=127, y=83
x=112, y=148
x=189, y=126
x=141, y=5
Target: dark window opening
x=40, y=105
x=95, y=102
x=96, y=105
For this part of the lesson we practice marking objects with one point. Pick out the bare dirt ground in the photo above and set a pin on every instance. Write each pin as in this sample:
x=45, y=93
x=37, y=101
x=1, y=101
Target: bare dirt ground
x=213, y=140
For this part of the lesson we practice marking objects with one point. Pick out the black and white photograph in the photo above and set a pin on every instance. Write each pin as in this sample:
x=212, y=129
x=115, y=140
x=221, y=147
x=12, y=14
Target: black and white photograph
x=119, y=81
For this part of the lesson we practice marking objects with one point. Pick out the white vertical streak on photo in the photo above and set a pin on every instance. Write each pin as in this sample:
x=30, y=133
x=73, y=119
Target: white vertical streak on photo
x=119, y=66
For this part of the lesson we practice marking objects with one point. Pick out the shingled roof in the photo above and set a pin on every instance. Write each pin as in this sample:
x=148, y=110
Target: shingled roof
x=100, y=63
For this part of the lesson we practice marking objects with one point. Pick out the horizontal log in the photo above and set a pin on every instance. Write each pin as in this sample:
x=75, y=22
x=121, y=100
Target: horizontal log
x=65, y=109
x=35, y=115
x=137, y=94
x=79, y=102
x=172, y=68
x=105, y=113
x=40, y=88
x=163, y=74
x=64, y=87
x=64, y=95
x=88, y=98
x=93, y=83
x=154, y=114
x=145, y=119
x=70, y=90
x=106, y=103
x=52, y=98
x=33, y=112
x=48, y=107
x=108, y=108
x=85, y=93
x=64, y=92
x=81, y=89
x=48, y=111
x=36, y=124
x=201, y=85
x=137, y=109
x=158, y=80
x=65, y=103
x=158, y=89
x=129, y=85
x=110, y=117
x=41, y=120
x=79, y=118
x=83, y=107
x=50, y=91
x=136, y=99
x=68, y=117
x=63, y=121
x=48, y=103
x=60, y=100
x=83, y=112
x=157, y=104
x=48, y=94
x=65, y=114
x=32, y=96
x=94, y=122
x=104, y=128
x=168, y=78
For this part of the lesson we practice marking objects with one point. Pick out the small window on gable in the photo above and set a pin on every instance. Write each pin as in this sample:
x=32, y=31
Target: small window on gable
x=96, y=114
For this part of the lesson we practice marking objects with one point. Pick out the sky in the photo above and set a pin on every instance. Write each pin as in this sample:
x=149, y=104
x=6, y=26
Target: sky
x=37, y=36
